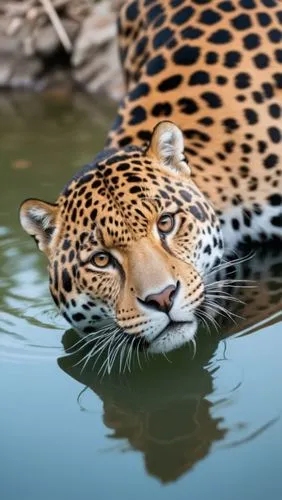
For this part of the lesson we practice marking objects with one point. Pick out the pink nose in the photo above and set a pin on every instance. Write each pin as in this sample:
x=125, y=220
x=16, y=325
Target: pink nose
x=162, y=301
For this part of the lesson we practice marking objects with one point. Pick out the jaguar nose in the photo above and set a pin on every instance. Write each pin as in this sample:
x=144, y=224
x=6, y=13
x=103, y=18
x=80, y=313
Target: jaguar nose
x=162, y=301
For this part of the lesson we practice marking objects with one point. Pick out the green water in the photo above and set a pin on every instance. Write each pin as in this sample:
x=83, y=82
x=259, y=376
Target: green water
x=182, y=427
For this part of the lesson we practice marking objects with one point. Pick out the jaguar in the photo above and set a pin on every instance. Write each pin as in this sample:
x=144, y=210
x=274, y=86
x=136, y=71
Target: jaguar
x=191, y=167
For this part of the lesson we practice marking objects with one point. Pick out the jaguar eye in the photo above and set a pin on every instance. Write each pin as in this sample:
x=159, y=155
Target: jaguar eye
x=101, y=259
x=166, y=223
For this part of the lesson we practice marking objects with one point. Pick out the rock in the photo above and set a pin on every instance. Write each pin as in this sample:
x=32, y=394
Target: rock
x=5, y=70
x=8, y=44
x=95, y=58
x=21, y=72
x=31, y=50
x=25, y=72
x=16, y=69
x=46, y=40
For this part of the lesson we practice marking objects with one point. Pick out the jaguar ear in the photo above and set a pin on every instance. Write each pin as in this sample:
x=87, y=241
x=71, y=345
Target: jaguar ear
x=38, y=219
x=167, y=145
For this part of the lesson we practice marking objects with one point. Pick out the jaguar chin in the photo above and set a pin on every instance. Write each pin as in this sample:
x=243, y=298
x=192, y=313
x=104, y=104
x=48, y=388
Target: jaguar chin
x=173, y=336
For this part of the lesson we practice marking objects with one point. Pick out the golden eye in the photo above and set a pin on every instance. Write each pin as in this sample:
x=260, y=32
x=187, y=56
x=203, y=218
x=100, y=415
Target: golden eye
x=166, y=223
x=101, y=259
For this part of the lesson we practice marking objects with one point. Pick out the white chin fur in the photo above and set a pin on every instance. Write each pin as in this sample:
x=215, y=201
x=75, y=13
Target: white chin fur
x=173, y=336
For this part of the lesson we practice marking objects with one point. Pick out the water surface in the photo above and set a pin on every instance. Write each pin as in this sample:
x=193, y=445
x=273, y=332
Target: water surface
x=177, y=428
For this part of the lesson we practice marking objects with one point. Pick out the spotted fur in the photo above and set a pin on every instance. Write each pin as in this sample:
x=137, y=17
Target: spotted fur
x=211, y=70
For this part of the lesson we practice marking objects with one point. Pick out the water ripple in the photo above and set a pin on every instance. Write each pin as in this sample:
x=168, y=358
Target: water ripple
x=30, y=326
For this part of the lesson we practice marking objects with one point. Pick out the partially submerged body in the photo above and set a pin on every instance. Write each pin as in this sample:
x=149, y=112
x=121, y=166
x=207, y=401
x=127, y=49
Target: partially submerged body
x=134, y=235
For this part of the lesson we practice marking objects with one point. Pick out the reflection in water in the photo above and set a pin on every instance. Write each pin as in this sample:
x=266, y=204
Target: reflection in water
x=162, y=410
x=25, y=307
x=165, y=409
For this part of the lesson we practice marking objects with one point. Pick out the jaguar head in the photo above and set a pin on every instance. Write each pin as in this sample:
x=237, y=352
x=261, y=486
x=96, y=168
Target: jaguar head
x=130, y=239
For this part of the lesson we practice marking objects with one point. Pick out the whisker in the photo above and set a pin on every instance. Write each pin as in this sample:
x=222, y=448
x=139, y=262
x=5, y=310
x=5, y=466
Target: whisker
x=199, y=315
x=211, y=319
x=100, y=351
x=230, y=263
x=109, y=353
x=112, y=350
x=193, y=342
x=81, y=347
x=121, y=357
x=124, y=340
x=87, y=359
x=224, y=297
x=94, y=333
x=128, y=357
x=222, y=311
x=126, y=360
x=81, y=340
x=165, y=356
x=93, y=338
x=137, y=352
x=215, y=304
x=231, y=283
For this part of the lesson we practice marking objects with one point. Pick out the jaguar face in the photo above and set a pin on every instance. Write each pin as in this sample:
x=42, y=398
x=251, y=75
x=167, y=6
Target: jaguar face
x=130, y=239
